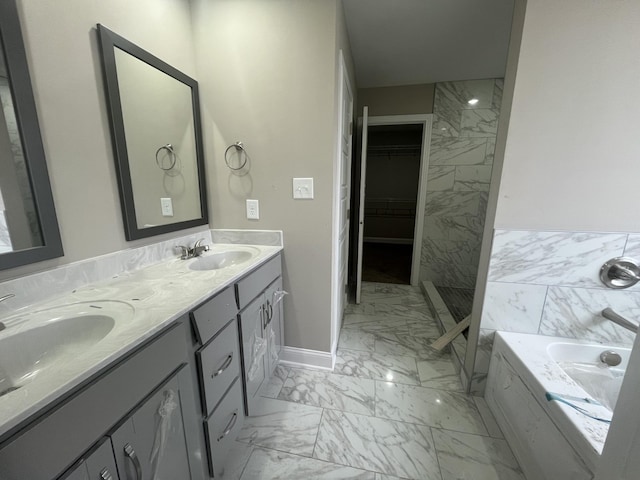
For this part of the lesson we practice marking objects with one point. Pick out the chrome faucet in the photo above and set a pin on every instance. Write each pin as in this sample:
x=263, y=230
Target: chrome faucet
x=195, y=251
x=199, y=249
x=609, y=314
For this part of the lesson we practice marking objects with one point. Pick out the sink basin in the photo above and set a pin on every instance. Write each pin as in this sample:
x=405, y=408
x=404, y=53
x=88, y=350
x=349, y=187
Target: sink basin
x=38, y=341
x=216, y=261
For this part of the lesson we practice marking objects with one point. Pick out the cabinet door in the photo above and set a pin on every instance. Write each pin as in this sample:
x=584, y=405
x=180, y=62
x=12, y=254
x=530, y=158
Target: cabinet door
x=274, y=330
x=100, y=465
x=151, y=445
x=253, y=351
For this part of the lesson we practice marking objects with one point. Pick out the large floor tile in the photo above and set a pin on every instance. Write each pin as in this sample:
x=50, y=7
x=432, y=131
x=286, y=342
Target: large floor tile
x=428, y=406
x=382, y=476
x=328, y=390
x=408, y=345
x=384, y=446
x=285, y=426
x=273, y=465
x=440, y=374
x=357, y=339
x=463, y=456
x=378, y=367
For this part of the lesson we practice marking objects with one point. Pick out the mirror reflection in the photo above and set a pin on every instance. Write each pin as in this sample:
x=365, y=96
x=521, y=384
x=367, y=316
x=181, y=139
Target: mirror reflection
x=19, y=225
x=161, y=144
x=155, y=126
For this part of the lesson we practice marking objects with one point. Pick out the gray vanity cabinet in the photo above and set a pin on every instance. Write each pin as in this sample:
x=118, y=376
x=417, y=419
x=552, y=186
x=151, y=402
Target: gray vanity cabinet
x=253, y=334
x=217, y=353
x=275, y=326
x=99, y=465
x=122, y=404
x=261, y=328
x=151, y=444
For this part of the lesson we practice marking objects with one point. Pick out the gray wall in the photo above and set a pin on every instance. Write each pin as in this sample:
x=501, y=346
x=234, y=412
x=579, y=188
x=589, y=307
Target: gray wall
x=63, y=58
x=400, y=100
x=463, y=142
x=268, y=72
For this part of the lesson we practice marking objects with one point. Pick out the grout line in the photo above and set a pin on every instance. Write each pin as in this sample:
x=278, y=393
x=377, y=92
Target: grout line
x=435, y=451
x=315, y=443
x=244, y=467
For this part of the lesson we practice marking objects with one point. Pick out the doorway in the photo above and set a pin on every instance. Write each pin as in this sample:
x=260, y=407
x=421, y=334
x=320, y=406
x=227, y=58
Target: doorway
x=391, y=200
x=394, y=158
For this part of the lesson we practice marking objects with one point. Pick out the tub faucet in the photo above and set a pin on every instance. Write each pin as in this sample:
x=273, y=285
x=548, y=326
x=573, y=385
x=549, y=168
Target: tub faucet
x=609, y=314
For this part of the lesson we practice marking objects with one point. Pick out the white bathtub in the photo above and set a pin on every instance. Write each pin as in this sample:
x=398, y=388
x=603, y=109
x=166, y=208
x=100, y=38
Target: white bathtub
x=551, y=439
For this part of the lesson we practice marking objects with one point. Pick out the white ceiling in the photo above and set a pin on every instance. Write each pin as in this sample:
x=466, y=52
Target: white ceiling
x=408, y=42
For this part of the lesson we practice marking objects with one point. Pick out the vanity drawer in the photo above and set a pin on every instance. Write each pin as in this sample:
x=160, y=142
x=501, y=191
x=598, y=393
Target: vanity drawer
x=214, y=314
x=219, y=365
x=222, y=428
x=249, y=287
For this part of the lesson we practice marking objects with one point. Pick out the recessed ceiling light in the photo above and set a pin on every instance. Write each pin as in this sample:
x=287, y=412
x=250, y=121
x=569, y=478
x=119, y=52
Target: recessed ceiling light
x=473, y=101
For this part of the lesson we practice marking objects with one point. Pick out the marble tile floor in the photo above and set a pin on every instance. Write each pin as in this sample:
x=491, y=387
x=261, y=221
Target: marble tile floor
x=392, y=408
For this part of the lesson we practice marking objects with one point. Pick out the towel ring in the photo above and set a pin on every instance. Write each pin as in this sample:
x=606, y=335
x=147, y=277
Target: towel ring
x=240, y=149
x=172, y=154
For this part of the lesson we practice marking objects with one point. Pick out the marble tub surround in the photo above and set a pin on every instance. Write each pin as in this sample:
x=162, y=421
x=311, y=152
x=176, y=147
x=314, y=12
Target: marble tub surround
x=547, y=283
x=159, y=294
x=383, y=417
x=459, y=176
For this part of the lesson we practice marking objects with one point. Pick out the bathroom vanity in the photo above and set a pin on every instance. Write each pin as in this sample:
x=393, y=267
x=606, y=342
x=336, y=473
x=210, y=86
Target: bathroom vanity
x=166, y=390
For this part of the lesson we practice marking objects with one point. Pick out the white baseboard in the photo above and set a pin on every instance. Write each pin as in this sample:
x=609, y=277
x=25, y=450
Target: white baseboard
x=302, y=357
x=394, y=241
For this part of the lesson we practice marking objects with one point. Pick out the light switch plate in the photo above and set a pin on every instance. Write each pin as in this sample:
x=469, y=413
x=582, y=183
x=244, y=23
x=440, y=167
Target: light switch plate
x=253, y=209
x=167, y=207
x=303, y=188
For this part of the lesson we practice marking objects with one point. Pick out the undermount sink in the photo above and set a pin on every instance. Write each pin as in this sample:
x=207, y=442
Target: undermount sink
x=216, y=261
x=35, y=342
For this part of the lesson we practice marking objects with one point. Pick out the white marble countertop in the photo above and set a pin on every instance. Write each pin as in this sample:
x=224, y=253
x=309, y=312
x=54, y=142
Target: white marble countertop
x=528, y=353
x=158, y=295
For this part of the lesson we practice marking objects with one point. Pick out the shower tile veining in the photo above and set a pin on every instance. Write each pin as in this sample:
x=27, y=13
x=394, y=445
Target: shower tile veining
x=393, y=408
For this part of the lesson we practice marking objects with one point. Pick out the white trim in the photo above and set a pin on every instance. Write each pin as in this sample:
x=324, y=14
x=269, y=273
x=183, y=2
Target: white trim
x=389, y=240
x=426, y=121
x=302, y=357
x=336, y=289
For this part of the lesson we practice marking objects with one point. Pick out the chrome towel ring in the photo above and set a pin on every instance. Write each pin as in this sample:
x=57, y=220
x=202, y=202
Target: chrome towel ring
x=172, y=155
x=239, y=147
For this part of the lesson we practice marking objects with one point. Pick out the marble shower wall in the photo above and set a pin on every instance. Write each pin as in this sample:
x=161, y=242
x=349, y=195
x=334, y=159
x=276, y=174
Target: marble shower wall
x=548, y=283
x=463, y=142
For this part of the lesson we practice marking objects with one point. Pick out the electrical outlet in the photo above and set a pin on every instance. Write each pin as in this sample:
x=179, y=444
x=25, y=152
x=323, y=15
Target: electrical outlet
x=167, y=207
x=253, y=209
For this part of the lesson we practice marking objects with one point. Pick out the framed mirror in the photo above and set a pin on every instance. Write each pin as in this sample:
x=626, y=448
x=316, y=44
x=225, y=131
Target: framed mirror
x=29, y=229
x=154, y=112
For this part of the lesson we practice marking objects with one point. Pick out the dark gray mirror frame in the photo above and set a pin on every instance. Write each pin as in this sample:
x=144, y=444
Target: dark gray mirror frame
x=26, y=115
x=108, y=42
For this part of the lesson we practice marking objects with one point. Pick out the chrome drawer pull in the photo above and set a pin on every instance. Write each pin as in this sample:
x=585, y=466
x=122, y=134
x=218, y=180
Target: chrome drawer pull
x=105, y=475
x=224, y=366
x=131, y=454
x=230, y=426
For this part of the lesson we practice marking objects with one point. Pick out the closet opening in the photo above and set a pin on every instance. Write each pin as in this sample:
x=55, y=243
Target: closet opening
x=394, y=154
